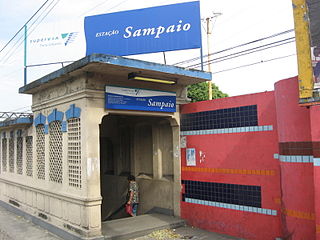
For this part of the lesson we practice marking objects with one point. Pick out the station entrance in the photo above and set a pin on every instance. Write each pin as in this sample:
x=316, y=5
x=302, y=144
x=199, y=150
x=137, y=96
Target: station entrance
x=141, y=146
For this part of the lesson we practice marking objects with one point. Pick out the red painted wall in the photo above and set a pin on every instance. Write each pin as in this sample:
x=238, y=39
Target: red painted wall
x=293, y=121
x=249, y=152
x=247, y=158
x=315, y=135
x=296, y=178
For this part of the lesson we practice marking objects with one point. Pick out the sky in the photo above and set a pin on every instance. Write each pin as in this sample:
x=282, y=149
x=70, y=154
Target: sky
x=238, y=22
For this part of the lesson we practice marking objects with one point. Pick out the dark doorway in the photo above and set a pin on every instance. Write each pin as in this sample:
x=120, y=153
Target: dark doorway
x=141, y=146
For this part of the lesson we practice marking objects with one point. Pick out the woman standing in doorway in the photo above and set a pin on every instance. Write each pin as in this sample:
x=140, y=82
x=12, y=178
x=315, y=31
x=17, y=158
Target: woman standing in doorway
x=133, y=194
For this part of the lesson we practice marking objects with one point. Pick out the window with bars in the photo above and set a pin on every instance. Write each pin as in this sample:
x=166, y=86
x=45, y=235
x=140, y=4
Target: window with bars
x=40, y=148
x=245, y=195
x=19, y=155
x=11, y=154
x=74, y=152
x=29, y=156
x=55, y=152
x=4, y=154
x=222, y=118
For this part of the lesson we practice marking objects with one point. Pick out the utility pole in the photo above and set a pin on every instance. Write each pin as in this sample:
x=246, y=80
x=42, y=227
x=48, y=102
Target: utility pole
x=209, y=32
x=209, y=27
x=25, y=56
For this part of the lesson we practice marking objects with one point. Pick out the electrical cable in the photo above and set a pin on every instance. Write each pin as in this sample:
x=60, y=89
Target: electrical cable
x=30, y=32
x=231, y=56
x=42, y=20
x=115, y=6
x=258, y=50
x=98, y=5
x=102, y=3
x=21, y=108
x=9, y=74
x=21, y=37
x=24, y=25
x=255, y=63
x=249, y=51
x=237, y=46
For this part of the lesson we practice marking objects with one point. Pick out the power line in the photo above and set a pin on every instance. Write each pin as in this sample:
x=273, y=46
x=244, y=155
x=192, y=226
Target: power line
x=30, y=32
x=237, y=46
x=255, y=63
x=22, y=108
x=102, y=3
x=258, y=50
x=9, y=74
x=24, y=25
x=19, y=42
x=98, y=5
x=248, y=51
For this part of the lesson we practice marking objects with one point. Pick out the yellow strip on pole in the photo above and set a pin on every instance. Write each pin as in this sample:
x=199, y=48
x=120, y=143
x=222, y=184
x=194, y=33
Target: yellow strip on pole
x=302, y=32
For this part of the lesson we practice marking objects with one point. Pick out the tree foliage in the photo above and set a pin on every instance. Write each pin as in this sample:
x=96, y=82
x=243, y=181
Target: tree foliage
x=199, y=92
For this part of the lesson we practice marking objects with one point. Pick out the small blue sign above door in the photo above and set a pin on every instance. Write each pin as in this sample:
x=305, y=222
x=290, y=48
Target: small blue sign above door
x=139, y=99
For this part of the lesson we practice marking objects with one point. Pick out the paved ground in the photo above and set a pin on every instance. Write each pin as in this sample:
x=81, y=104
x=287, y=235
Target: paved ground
x=186, y=232
x=14, y=227
x=133, y=227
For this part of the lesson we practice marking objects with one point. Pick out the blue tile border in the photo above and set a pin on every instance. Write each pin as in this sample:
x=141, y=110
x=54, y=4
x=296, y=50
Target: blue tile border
x=265, y=211
x=316, y=162
x=294, y=158
x=228, y=130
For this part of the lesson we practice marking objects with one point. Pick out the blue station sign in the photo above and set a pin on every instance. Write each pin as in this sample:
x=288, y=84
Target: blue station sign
x=148, y=30
x=139, y=99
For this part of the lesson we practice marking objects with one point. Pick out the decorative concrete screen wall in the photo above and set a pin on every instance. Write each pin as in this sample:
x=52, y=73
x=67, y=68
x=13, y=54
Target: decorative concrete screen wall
x=233, y=184
x=41, y=169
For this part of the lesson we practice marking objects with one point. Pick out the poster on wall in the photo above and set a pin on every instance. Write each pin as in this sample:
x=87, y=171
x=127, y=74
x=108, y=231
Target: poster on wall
x=139, y=99
x=191, y=156
x=183, y=141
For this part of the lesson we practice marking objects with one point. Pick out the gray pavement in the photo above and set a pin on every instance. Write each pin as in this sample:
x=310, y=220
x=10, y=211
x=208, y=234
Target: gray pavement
x=131, y=227
x=14, y=227
x=185, y=232
x=144, y=227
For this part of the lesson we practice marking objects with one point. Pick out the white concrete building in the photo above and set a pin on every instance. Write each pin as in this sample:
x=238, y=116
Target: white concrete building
x=66, y=168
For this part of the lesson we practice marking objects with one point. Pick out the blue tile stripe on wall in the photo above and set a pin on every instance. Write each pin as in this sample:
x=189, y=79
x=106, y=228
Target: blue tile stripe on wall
x=294, y=158
x=316, y=162
x=229, y=130
x=233, y=206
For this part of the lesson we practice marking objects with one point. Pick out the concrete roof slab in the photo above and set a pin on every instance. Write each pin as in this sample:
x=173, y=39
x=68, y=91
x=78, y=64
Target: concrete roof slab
x=117, y=66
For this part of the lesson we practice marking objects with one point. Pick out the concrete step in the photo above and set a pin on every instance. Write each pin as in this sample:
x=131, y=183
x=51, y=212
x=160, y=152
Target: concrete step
x=133, y=227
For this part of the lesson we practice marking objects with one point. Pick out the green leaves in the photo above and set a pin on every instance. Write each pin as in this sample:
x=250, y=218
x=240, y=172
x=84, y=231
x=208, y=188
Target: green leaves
x=199, y=92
